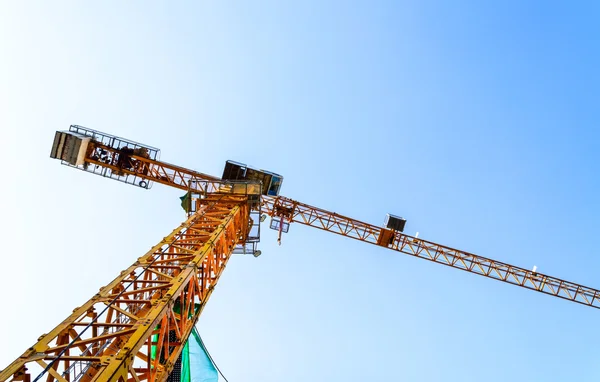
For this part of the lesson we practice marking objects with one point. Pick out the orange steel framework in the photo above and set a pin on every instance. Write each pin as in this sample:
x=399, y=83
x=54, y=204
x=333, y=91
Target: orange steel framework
x=135, y=327
x=293, y=211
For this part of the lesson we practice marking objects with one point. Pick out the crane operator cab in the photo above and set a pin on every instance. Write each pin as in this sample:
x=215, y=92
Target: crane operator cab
x=271, y=182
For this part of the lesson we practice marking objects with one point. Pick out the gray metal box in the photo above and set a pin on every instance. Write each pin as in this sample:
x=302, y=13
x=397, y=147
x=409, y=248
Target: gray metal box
x=395, y=222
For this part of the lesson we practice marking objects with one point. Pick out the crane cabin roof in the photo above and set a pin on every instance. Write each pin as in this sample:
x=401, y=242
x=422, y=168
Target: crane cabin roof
x=271, y=182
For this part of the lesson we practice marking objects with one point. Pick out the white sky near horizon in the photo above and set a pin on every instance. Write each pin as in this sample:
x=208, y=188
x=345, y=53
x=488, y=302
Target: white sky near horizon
x=477, y=122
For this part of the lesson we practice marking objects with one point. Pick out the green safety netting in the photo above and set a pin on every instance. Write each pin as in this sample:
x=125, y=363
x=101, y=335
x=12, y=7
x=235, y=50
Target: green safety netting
x=193, y=364
x=196, y=366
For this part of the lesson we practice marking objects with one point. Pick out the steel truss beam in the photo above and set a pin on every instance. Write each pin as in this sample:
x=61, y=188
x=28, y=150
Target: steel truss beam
x=294, y=211
x=148, y=169
x=302, y=213
x=134, y=328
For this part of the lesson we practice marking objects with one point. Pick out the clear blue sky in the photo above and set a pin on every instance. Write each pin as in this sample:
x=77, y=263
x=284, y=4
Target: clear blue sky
x=477, y=121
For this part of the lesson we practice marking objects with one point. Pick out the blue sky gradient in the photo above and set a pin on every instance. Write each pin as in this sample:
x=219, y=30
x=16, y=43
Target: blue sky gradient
x=477, y=121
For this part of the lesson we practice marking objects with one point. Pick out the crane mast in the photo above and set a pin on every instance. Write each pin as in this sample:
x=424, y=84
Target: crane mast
x=135, y=327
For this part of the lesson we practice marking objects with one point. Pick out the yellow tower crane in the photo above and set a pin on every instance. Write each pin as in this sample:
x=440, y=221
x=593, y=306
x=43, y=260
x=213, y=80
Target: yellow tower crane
x=135, y=327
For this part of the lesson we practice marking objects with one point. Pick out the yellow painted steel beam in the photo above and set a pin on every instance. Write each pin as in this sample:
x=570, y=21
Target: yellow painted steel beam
x=136, y=326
